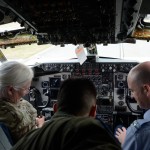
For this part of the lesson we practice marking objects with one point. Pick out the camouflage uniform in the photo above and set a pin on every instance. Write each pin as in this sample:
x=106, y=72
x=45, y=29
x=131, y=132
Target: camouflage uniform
x=19, y=118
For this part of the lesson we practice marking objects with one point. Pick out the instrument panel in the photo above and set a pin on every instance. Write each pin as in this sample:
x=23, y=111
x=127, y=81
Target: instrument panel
x=110, y=79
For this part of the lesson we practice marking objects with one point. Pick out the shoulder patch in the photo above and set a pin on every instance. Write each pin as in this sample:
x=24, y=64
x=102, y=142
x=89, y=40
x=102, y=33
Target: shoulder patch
x=136, y=124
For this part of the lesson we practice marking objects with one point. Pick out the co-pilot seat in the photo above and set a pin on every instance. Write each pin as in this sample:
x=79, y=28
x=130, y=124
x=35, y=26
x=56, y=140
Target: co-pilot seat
x=5, y=138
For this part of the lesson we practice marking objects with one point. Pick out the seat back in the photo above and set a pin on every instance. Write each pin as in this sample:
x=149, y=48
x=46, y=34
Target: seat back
x=5, y=138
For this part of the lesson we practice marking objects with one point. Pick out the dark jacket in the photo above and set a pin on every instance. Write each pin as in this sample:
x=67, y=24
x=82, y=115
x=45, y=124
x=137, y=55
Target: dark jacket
x=66, y=132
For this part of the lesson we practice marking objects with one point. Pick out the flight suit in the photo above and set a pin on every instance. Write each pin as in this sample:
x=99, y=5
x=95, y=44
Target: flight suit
x=67, y=132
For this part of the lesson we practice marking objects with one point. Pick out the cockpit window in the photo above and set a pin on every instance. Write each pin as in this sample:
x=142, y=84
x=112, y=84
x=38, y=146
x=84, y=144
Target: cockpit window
x=32, y=53
x=40, y=53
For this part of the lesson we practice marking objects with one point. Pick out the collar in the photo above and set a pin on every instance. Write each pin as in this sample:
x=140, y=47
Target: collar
x=147, y=115
x=62, y=114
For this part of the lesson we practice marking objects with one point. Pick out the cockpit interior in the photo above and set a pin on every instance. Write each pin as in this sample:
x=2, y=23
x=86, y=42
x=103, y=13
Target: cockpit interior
x=86, y=25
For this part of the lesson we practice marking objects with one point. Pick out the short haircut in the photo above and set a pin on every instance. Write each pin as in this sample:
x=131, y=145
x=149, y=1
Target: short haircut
x=76, y=96
x=141, y=73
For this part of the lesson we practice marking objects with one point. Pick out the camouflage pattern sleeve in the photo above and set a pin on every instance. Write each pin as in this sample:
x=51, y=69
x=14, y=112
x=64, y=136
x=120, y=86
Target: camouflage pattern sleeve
x=20, y=118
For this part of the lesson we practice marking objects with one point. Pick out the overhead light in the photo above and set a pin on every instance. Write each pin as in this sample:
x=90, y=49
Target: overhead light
x=144, y=22
x=147, y=18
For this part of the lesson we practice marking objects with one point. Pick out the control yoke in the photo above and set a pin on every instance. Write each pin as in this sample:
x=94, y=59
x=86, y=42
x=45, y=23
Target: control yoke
x=128, y=99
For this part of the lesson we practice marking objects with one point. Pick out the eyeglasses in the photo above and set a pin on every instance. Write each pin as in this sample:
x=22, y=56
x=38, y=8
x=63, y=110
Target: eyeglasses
x=24, y=89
